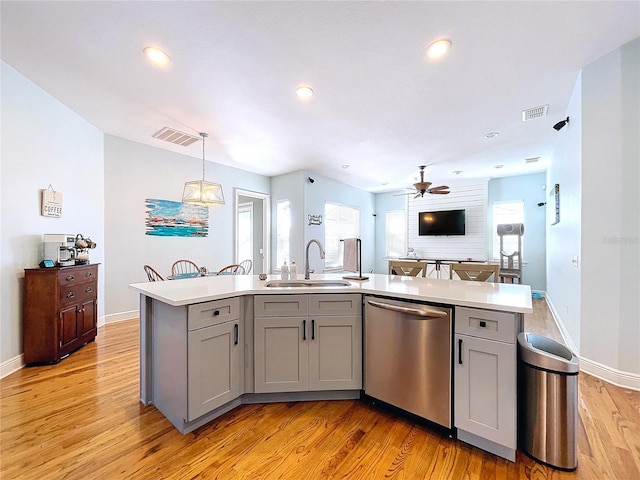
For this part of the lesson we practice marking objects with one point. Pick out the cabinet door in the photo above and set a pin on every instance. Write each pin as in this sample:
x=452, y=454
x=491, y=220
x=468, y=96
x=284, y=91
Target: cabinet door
x=485, y=389
x=213, y=367
x=68, y=334
x=87, y=321
x=335, y=353
x=281, y=354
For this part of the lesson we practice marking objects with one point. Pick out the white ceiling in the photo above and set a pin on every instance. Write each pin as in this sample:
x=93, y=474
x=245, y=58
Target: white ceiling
x=380, y=105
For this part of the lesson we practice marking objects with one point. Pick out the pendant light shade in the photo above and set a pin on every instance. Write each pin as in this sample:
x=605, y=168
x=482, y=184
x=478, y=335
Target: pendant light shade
x=201, y=192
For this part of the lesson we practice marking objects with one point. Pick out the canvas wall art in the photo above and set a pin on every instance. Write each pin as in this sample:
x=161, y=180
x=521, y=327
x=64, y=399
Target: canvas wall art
x=176, y=219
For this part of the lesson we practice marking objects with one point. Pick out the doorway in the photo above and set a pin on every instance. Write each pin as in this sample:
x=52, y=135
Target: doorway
x=252, y=229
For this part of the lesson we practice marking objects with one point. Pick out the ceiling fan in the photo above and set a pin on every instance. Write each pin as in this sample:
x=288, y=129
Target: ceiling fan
x=423, y=187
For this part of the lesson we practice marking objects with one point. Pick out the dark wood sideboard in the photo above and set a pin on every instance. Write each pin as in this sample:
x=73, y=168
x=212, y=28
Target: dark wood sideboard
x=60, y=311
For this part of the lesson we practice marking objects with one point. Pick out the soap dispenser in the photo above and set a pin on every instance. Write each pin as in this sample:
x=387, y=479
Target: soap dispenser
x=293, y=270
x=284, y=271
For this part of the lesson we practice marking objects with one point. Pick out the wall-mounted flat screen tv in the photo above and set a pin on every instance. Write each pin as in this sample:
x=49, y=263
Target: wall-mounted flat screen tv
x=443, y=222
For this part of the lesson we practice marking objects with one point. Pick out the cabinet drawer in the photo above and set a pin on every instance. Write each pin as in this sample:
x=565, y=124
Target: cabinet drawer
x=500, y=326
x=213, y=313
x=281, y=305
x=339, y=304
x=77, y=293
x=68, y=277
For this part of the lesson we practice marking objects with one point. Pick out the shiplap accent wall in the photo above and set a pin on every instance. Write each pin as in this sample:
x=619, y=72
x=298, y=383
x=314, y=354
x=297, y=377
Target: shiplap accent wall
x=472, y=196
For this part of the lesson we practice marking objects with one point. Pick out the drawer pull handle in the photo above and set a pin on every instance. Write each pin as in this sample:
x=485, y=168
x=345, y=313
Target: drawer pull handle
x=216, y=313
x=460, y=351
x=236, y=333
x=88, y=275
x=69, y=278
x=483, y=324
x=313, y=329
x=304, y=329
x=70, y=295
x=89, y=290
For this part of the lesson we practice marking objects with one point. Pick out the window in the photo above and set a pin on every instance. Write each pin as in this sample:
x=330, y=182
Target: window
x=283, y=231
x=395, y=233
x=506, y=212
x=340, y=222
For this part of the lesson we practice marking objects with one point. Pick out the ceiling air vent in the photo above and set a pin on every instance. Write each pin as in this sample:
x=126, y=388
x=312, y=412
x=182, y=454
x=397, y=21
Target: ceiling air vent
x=535, y=112
x=531, y=159
x=173, y=136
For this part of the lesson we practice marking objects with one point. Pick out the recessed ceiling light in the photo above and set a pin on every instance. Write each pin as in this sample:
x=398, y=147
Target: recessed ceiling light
x=345, y=166
x=498, y=166
x=438, y=49
x=491, y=134
x=156, y=56
x=304, y=91
x=457, y=172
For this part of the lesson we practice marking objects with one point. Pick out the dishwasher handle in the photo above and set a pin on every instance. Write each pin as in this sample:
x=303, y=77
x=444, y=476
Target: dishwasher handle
x=421, y=312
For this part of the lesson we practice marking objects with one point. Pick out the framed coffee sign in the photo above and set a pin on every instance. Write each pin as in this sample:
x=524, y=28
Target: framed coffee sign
x=51, y=203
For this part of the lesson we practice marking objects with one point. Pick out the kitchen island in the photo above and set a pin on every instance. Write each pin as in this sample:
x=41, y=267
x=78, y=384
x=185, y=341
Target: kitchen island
x=178, y=318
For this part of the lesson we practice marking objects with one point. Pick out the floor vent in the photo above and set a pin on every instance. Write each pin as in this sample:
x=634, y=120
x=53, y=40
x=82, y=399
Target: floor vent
x=535, y=112
x=173, y=136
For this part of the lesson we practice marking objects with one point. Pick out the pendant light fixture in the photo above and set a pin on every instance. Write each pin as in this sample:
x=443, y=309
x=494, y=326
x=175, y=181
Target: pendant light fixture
x=200, y=192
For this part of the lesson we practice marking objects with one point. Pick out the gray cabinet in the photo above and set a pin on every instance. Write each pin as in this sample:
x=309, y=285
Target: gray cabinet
x=308, y=342
x=213, y=367
x=199, y=367
x=485, y=379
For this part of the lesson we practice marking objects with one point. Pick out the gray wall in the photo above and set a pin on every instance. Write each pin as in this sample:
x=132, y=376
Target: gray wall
x=595, y=161
x=527, y=188
x=309, y=198
x=43, y=143
x=326, y=190
x=610, y=210
x=134, y=172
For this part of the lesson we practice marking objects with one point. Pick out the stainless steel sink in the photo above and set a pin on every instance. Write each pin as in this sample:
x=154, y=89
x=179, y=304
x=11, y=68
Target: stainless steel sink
x=307, y=283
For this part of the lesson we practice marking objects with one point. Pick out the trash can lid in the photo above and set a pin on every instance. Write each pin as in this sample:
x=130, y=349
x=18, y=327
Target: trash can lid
x=540, y=351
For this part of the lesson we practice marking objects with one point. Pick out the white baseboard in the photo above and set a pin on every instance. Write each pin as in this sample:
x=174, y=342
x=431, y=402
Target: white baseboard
x=121, y=317
x=12, y=365
x=611, y=375
x=618, y=378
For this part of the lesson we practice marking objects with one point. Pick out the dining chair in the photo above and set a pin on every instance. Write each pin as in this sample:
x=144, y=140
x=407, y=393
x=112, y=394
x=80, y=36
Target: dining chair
x=233, y=269
x=474, y=271
x=246, y=265
x=152, y=274
x=408, y=268
x=184, y=266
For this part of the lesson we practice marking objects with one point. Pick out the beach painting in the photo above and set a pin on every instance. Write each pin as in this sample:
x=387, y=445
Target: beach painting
x=176, y=219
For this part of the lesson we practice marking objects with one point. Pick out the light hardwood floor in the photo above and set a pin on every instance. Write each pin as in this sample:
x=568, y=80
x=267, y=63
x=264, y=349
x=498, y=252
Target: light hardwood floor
x=81, y=419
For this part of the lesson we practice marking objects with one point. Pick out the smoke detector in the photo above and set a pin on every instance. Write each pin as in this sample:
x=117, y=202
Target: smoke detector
x=535, y=112
x=173, y=136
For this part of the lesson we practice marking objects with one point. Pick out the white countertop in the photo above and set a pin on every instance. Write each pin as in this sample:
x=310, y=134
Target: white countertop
x=495, y=296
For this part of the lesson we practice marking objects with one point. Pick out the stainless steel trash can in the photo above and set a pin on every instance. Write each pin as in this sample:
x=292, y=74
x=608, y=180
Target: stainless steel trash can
x=548, y=401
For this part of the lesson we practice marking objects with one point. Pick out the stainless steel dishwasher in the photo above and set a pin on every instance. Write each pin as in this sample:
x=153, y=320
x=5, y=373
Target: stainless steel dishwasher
x=408, y=356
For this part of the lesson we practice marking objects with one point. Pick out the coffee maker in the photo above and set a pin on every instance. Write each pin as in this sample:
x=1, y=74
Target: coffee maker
x=81, y=249
x=60, y=248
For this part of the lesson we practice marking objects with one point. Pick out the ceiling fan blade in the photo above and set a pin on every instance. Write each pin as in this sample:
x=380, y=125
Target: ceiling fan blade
x=441, y=190
x=403, y=194
x=419, y=194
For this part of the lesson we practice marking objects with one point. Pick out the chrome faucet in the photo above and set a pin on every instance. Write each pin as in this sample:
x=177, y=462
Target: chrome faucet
x=307, y=270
